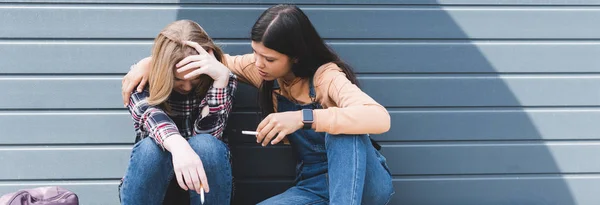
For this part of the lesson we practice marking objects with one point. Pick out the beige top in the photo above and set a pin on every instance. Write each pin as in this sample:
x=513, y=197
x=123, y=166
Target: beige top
x=348, y=110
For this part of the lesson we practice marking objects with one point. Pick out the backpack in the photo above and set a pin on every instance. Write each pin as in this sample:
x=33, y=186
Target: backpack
x=52, y=195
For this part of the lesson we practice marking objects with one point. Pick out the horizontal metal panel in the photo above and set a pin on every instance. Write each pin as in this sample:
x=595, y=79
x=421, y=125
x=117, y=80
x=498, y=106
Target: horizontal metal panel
x=412, y=91
x=60, y=92
x=127, y=21
x=493, y=124
x=278, y=161
x=386, y=56
x=493, y=158
x=26, y=163
x=442, y=159
x=528, y=189
x=483, y=90
x=109, y=127
x=71, y=127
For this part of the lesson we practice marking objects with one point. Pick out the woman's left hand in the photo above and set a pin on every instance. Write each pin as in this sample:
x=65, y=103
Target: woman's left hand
x=278, y=124
x=203, y=63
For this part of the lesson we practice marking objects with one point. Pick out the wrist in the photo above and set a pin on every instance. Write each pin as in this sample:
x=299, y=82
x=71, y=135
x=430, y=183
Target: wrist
x=307, y=117
x=222, y=80
x=299, y=122
x=175, y=144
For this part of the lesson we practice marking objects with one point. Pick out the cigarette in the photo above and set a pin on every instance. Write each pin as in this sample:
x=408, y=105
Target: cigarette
x=201, y=195
x=249, y=132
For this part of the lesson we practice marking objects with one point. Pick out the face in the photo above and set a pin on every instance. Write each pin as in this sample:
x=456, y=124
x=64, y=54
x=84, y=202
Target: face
x=270, y=63
x=184, y=86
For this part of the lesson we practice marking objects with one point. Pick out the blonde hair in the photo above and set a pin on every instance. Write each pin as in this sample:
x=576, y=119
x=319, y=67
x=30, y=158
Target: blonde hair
x=168, y=50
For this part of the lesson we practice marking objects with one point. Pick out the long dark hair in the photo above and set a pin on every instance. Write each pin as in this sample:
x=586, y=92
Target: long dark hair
x=286, y=29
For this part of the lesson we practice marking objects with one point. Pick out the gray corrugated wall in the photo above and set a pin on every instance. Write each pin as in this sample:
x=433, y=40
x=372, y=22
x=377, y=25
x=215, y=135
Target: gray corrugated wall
x=492, y=102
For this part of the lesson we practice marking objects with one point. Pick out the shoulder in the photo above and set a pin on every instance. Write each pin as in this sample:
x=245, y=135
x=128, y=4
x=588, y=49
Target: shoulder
x=327, y=73
x=241, y=61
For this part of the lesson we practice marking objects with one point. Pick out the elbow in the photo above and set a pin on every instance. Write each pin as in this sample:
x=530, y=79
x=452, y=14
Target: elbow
x=384, y=122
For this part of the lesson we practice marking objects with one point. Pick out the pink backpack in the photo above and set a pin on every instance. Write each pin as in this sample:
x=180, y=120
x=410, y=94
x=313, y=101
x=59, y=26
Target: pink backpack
x=40, y=196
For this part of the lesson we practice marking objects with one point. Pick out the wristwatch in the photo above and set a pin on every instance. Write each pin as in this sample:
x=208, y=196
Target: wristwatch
x=307, y=118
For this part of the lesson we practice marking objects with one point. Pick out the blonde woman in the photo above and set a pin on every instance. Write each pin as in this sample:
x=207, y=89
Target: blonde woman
x=179, y=121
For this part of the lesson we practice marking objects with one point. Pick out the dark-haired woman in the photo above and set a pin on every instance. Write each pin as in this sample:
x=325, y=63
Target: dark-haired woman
x=311, y=97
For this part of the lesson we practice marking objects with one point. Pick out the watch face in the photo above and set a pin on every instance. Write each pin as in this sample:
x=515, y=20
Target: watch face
x=307, y=115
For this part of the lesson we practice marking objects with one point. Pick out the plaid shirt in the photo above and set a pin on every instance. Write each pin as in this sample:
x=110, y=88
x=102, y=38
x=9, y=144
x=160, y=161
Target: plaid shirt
x=152, y=121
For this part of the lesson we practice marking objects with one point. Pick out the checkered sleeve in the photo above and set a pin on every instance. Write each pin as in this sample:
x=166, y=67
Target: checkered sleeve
x=219, y=101
x=150, y=120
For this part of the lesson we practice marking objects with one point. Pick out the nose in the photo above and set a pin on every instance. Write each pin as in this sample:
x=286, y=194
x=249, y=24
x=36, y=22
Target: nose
x=259, y=63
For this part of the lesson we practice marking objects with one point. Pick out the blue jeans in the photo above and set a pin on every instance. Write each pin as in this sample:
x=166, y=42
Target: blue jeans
x=151, y=170
x=353, y=173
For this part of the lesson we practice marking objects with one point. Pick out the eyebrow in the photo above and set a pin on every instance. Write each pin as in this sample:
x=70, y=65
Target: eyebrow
x=263, y=55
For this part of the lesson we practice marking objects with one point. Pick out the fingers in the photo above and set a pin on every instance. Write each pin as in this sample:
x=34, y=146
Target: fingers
x=192, y=65
x=125, y=99
x=203, y=179
x=263, y=123
x=187, y=60
x=271, y=134
x=179, y=177
x=127, y=88
x=280, y=137
x=195, y=73
x=263, y=132
x=129, y=83
x=195, y=179
x=196, y=46
x=188, y=179
x=124, y=84
x=140, y=87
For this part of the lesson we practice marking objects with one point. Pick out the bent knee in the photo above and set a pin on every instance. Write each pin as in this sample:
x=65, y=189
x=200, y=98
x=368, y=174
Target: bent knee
x=206, y=142
x=380, y=198
x=208, y=147
x=347, y=139
x=147, y=148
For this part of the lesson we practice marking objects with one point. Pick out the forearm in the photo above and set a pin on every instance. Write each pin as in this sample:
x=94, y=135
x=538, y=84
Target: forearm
x=221, y=82
x=219, y=101
x=371, y=119
x=175, y=143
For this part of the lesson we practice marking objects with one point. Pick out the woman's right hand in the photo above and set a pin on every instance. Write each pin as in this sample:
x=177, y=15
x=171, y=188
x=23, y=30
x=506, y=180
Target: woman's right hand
x=187, y=165
x=136, y=77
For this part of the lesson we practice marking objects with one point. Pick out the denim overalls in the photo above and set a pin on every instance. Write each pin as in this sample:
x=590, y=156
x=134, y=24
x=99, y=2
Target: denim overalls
x=347, y=166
